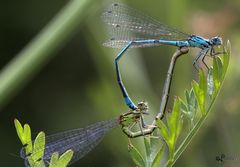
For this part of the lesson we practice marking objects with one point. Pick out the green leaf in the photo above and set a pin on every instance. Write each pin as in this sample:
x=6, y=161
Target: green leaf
x=24, y=134
x=27, y=133
x=38, y=164
x=54, y=160
x=195, y=87
x=28, y=138
x=202, y=82
x=174, y=123
x=200, y=96
x=154, y=139
x=65, y=158
x=192, y=103
x=226, y=58
x=211, y=88
x=179, y=127
x=136, y=156
x=187, y=95
x=147, y=148
x=217, y=68
x=63, y=161
x=172, y=120
x=220, y=64
x=163, y=130
x=155, y=144
x=184, y=107
x=158, y=157
x=189, y=108
x=220, y=68
x=19, y=130
x=38, y=147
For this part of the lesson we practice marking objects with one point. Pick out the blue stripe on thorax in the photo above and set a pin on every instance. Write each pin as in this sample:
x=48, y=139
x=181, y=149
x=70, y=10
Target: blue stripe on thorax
x=200, y=42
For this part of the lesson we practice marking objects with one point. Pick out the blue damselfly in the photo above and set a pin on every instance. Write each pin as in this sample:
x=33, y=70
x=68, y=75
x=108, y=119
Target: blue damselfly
x=130, y=28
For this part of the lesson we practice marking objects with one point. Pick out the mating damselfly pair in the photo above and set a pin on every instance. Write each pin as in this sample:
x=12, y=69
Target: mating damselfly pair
x=130, y=29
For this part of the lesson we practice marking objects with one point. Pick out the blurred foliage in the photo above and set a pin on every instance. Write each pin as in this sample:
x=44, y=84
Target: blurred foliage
x=78, y=86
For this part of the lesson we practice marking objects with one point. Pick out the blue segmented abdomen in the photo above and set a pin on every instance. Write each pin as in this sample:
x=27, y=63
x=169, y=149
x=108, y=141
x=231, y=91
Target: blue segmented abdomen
x=129, y=103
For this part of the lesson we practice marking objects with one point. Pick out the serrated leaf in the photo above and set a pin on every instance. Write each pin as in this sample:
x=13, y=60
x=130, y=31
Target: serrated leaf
x=158, y=157
x=163, y=130
x=136, y=156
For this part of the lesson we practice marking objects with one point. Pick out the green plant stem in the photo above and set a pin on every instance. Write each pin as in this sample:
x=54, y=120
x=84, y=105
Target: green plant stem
x=171, y=155
x=40, y=50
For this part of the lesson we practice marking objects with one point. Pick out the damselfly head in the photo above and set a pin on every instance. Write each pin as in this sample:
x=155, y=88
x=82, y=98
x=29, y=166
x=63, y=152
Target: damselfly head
x=216, y=40
x=143, y=106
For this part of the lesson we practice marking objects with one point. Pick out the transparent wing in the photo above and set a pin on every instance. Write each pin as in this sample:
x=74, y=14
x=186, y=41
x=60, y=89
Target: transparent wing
x=81, y=141
x=126, y=24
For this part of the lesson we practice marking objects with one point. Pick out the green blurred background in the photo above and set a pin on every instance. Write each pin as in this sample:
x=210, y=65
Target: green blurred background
x=78, y=85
